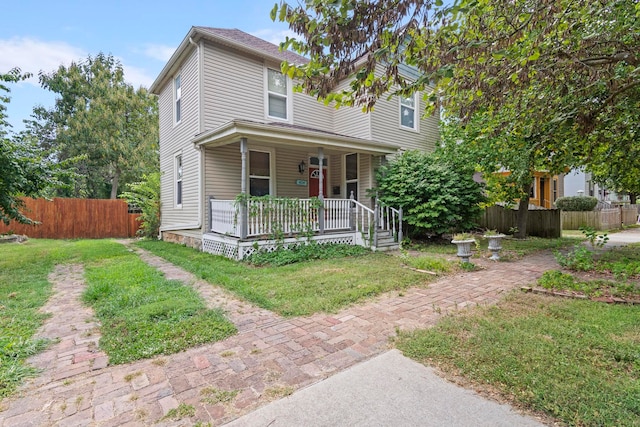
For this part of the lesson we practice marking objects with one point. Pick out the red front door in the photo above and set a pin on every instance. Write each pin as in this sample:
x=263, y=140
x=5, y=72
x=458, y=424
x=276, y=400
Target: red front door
x=314, y=182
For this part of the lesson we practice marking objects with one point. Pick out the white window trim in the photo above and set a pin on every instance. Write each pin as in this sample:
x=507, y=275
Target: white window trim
x=176, y=180
x=176, y=99
x=416, y=117
x=272, y=169
x=344, y=174
x=289, y=96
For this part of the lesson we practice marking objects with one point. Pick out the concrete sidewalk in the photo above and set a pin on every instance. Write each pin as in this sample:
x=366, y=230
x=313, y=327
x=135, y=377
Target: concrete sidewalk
x=388, y=390
x=624, y=237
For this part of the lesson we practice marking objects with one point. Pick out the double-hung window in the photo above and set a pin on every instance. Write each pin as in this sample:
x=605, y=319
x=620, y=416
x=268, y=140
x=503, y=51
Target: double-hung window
x=259, y=173
x=351, y=174
x=408, y=112
x=177, y=96
x=178, y=175
x=277, y=95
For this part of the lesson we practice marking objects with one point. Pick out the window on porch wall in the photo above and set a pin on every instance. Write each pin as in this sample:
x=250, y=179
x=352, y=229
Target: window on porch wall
x=259, y=173
x=351, y=174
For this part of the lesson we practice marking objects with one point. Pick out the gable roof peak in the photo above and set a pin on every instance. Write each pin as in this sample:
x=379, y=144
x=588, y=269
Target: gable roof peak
x=246, y=41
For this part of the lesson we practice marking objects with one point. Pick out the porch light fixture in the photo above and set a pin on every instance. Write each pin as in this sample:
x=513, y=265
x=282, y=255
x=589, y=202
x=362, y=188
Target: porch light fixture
x=302, y=166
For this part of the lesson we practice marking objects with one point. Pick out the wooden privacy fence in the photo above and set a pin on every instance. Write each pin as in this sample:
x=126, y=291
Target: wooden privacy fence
x=75, y=219
x=605, y=219
x=540, y=222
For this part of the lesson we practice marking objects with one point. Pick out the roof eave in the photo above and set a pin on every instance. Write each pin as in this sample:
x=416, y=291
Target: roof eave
x=234, y=130
x=195, y=35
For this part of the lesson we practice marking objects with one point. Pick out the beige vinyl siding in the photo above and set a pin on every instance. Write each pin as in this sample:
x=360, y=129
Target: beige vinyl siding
x=351, y=121
x=233, y=87
x=385, y=119
x=309, y=112
x=287, y=160
x=223, y=169
x=364, y=177
x=175, y=139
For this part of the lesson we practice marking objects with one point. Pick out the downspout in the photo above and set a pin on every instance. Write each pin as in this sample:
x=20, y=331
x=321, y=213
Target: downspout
x=199, y=149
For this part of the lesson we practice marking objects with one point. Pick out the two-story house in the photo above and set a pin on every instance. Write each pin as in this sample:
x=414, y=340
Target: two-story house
x=231, y=127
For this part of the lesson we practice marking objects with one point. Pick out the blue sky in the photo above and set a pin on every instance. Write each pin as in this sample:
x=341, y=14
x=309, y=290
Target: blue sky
x=41, y=35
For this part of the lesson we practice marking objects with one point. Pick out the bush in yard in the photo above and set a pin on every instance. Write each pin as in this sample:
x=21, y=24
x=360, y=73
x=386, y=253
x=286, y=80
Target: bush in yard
x=436, y=196
x=146, y=196
x=576, y=203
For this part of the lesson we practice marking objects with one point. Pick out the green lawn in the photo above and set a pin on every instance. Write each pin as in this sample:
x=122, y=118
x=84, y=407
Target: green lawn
x=24, y=289
x=577, y=361
x=131, y=299
x=511, y=248
x=143, y=314
x=297, y=289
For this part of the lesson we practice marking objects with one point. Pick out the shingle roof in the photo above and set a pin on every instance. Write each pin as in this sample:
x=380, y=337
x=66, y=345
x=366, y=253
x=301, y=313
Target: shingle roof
x=254, y=43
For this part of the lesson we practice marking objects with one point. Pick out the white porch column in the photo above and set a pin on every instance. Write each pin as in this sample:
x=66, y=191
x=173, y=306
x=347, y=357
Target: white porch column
x=321, y=189
x=243, y=190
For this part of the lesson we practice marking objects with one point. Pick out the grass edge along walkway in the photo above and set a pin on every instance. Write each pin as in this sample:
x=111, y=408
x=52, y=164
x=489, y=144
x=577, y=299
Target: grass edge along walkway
x=577, y=361
x=299, y=289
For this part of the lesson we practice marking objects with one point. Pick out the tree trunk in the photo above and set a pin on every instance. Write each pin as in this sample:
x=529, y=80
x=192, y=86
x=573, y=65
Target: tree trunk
x=523, y=213
x=632, y=198
x=114, y=184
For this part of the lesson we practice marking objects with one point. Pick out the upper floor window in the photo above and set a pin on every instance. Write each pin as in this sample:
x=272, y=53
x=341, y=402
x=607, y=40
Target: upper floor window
x=178, y=175
x=177, y=96
x=277, y=94
x=408, y=112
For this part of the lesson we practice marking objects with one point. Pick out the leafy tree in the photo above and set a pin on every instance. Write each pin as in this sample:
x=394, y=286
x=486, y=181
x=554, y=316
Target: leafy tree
x=436, y=196
x=554, y=81
x=101, y=116
x=24, y=171
x=146, y=196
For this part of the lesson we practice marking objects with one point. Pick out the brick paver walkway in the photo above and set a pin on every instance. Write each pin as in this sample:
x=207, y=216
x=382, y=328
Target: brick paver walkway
x=269, y=358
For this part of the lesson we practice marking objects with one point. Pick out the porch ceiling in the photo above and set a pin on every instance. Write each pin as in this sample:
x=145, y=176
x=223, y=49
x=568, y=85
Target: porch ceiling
x=286, y=134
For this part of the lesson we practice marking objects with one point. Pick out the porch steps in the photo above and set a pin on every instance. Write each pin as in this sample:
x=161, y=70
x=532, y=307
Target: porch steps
x=386, y=241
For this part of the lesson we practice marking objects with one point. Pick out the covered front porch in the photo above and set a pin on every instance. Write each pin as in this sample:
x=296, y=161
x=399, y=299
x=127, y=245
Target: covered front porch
x=246, y=225
x=269, y=186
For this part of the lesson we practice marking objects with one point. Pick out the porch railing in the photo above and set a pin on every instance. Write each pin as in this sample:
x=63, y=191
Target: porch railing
x=267, y=217
x=279, y=215
x=382, y=218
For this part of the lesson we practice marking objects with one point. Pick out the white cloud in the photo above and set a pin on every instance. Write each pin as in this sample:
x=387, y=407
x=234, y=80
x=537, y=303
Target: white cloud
x=137, y=76
x=32, y=55
x=159, y=52
x=274, y=36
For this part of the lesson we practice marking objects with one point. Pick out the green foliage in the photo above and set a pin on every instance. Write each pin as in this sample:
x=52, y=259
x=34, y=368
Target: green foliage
x=533, y=87
x=596, y=240
x=301, y=251
x=436, y=198
x=576, y=361
x=297, y=289
x=26, y=170
x=558, y=281
x=144, y=315
x=576, y=203
x=101, y=117
x=146, y=196
x=579, y=259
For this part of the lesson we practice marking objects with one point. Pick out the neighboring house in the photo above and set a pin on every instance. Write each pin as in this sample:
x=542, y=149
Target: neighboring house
x=545, y=189
x=232, y=125
x=580, y=183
